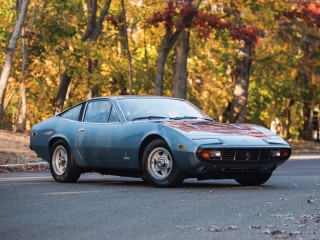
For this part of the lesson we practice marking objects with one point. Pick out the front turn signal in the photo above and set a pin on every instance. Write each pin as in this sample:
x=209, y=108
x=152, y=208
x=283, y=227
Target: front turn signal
x=205, y=153
x=285, y=153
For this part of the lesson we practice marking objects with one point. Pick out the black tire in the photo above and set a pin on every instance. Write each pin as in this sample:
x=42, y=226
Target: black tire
x=256, y=181
x=159, y=167
x=62, y=165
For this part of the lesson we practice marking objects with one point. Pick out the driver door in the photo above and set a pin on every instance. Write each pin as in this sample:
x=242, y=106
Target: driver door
x=97, y=137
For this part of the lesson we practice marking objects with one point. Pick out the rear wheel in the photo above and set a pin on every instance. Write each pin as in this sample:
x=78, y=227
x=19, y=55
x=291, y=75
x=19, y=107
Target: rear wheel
x=256, y=181
x=62, y=165
x=159, y=167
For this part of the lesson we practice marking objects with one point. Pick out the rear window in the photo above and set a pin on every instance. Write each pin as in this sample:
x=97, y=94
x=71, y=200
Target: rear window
x=72, y=113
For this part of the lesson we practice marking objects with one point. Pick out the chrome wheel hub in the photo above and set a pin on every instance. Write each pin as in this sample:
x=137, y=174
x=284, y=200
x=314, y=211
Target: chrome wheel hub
x=162, y=162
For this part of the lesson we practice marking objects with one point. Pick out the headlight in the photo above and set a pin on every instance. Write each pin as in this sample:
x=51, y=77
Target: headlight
x=276, y=153
x=210, y=154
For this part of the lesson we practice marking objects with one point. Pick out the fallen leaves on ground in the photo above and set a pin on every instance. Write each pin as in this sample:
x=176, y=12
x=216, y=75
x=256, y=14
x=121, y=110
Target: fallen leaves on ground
x=26, y=168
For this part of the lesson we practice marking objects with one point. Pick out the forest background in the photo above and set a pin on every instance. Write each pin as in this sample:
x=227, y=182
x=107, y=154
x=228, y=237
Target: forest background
x=238, y=60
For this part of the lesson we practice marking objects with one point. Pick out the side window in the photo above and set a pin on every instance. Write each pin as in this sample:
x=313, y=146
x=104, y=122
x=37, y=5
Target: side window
x=100, y=112
x=72, y=114
x=113, y=116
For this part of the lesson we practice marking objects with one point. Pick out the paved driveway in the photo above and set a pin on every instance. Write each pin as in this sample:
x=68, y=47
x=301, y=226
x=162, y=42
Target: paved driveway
x=33, y=206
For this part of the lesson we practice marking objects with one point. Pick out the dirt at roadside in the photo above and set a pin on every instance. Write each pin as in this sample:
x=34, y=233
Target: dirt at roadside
x=303, y=146
x=14, y=148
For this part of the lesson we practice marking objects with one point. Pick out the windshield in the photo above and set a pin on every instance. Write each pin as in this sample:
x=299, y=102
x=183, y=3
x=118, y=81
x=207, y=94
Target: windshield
x=159, y=108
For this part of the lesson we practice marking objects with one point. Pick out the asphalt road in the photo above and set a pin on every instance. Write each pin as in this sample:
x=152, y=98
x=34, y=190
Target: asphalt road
x=33, y=206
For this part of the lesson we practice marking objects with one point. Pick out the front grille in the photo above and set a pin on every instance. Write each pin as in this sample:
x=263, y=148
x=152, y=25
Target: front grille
x=248, y=154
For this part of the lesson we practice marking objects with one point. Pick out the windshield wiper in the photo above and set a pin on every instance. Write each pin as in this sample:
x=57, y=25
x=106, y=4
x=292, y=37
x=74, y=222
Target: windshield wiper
x=181, y=118
x=148, y=117
x=190, y=117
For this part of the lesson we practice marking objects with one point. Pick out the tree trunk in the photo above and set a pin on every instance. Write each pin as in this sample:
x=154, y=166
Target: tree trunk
x=94, y=25
x=238, y=107
x=126, y=44
x=25, y=42
x=179, y=84
x=168, y=41
x=22, y=105
x=161, y=61
x=286, y=129
x=226, y=113
x=62, y=92
x=22, y=122
x=308, y=101
x=149, y=75
x=94, y=89
x=10, y=54
x=307, y=121
x=21, y=117
x=93, y=31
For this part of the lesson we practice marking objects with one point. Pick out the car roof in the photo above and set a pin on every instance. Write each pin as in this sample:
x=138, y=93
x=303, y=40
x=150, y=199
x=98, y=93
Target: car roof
x=134, y=97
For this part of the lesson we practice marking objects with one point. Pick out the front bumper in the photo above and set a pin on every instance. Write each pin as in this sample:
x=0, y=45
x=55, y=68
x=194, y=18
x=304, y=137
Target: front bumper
x=218, y=169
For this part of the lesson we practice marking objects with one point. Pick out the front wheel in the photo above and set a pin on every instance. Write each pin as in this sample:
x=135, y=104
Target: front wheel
x=256, y=181
x=159, y=167
x=62, y=165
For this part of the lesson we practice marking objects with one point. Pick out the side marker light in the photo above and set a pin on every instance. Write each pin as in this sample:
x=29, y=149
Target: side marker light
x=181, y=147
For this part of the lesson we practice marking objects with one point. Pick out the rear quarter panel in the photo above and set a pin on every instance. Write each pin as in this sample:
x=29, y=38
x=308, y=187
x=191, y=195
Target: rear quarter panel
x=50, y=130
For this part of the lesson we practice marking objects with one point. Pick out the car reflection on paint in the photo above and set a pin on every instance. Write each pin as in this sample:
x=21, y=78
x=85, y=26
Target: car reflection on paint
x=162, y=140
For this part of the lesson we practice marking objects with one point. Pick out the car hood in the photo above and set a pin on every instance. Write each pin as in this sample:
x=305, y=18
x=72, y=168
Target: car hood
x=205, y=129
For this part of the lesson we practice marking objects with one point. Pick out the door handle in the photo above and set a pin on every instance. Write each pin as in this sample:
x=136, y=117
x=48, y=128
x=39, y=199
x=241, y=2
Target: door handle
x=81, y=130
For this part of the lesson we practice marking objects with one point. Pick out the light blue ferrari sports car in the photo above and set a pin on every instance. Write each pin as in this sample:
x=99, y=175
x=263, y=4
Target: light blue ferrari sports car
x=162, y=140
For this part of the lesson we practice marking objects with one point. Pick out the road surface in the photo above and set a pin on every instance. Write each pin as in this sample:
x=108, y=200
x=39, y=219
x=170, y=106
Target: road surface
x=34, y=206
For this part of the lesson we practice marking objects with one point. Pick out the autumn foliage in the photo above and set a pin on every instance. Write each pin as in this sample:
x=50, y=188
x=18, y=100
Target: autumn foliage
x=204, y=22
x=309, y=13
